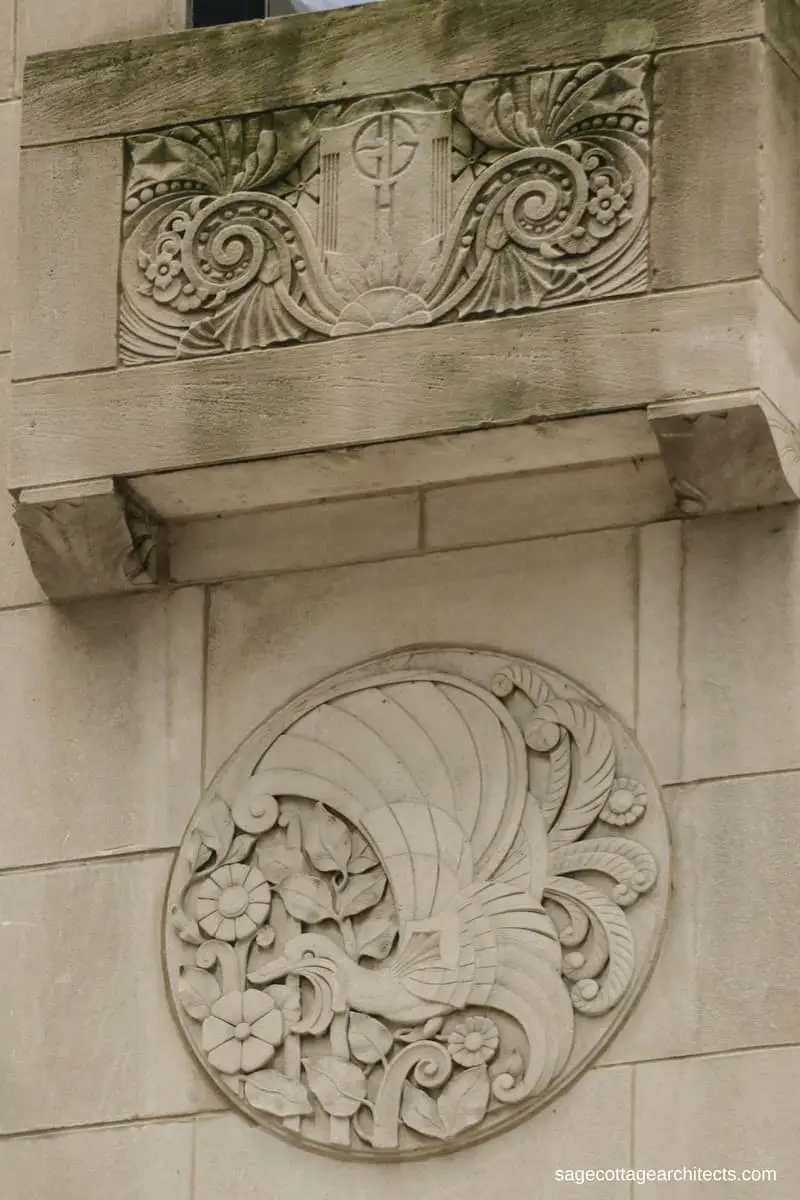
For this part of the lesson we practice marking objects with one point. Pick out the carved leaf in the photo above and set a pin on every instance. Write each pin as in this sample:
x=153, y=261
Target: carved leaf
x=362, y=856
x=361, y=893
x=375, y=936
x=186, y=929
x=197, y=852
x=272, y=1092
x=465, y=1099
x=368, y=1039
x=241, y=847
x=216, y=828
x=340, y=1086
x=276, y=860
x=198, y=990
x=326, y=840
x=306, y=899
x=594, y=772
x=420, y=1112
x=257, y=163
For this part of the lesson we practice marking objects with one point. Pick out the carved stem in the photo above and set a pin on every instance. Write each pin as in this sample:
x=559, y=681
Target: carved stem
x=340, y=1126
x=220, y=952
x=428, y=1055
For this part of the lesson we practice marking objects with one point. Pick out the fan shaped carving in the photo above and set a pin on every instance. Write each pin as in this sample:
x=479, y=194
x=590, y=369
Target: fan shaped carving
x=417, y=902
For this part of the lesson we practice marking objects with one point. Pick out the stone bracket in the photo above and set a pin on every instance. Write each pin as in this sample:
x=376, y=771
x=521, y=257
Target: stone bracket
x=720, y=453
x=90, y=538
x=725, y=453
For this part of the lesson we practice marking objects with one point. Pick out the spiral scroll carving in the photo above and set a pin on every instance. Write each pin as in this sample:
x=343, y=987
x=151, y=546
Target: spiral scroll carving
x=500, y=195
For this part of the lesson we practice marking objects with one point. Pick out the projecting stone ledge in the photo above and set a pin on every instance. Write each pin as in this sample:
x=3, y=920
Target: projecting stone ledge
x=681, y=458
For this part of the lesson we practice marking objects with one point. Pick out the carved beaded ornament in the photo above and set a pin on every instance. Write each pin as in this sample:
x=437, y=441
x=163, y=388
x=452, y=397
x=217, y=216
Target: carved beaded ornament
x=416, y=903
x=490, y=197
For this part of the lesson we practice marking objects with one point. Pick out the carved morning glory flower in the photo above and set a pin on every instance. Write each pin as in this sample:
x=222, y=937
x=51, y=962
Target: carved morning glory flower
x=243, y=1031
x=233, y=902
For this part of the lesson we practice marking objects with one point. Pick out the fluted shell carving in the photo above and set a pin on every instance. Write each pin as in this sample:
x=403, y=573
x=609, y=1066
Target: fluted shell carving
x=490, y=197
x=416, y=903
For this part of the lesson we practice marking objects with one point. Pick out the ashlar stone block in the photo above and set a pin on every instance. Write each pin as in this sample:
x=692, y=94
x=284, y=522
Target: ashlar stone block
x=727, y=976
x=736, y=1113
x=110, y=694
x=567, y=600
x=133, y=1162
x=86, y=1035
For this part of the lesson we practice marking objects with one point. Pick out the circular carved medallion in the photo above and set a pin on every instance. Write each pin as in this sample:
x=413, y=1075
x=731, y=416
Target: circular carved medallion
x=416, y=903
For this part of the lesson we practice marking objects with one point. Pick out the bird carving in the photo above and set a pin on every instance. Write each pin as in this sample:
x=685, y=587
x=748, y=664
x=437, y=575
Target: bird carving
x=433, y=770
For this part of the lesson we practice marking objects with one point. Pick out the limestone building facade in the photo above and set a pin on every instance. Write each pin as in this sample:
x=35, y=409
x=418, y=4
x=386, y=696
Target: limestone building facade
x=533, y=458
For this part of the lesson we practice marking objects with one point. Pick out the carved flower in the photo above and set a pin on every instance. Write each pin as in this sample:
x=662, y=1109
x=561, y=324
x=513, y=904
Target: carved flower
x=162, y=271
x=626, y=804
x=233, y=902
x=473, y=1042
x=242, y=1032
x=606, y=208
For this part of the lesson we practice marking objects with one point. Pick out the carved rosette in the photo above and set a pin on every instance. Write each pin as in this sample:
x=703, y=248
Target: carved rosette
x=497, y=196
x=416, y=903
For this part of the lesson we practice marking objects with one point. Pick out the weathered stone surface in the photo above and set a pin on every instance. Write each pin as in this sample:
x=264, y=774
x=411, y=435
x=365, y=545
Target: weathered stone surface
x=736, y=1113
x=586, y=1129
x=568, y=601
x=342, y=54
x=742, y=641
x=385, y=467
x=17, y=583
x=349, y=391
x=7, y=11
x=9, y=183
x=82, y=24
x=66, y=297
x=86, y=1035
x=658, y=719
x=783, y=29
x=135, y=1162
x=456, y=813
x=781, y=229
x=532, y=506
x=728, y=976
x=289, y=539
x=112, y=693
x=705, y=161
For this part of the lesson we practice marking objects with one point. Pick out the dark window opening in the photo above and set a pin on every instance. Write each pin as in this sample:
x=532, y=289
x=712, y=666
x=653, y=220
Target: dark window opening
x=225, y=12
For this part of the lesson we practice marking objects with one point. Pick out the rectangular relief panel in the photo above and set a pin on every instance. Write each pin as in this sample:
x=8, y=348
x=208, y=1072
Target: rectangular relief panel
x=502, y=195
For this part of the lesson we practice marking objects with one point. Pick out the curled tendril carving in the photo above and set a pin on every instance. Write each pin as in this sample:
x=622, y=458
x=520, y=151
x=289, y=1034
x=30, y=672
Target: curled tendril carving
x=410, y=902
x=500, y=195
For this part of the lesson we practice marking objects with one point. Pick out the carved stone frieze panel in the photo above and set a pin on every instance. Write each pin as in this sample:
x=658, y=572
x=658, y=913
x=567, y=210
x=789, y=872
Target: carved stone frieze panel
x=416, y=903
x=495, y=196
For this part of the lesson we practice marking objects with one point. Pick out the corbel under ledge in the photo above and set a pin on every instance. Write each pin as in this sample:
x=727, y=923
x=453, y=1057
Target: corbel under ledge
x=724, y=453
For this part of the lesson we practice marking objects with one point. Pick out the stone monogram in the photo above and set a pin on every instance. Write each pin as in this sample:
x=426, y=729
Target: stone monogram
x=491, y=197
x=408, y=911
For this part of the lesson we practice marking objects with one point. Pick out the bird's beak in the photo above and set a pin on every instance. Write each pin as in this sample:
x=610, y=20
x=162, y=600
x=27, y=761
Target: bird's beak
x=277, y=969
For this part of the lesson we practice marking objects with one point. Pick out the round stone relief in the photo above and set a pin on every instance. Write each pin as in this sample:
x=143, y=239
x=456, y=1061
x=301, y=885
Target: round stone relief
x=416, y=903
